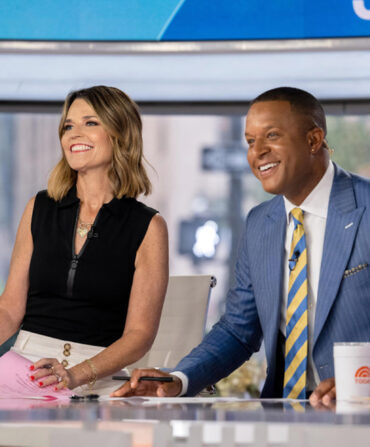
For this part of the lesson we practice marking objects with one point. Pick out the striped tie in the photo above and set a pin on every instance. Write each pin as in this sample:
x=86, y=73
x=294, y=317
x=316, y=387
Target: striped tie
x=296, y=315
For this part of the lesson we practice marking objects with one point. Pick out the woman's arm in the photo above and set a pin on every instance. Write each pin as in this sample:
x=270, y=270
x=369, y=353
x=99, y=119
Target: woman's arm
x=146, y=300
x=13, y=300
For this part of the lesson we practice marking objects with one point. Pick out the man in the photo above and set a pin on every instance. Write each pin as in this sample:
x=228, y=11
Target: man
x=302, y=276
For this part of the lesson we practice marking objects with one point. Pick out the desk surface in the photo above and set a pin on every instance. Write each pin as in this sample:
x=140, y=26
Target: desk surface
x=27, y=410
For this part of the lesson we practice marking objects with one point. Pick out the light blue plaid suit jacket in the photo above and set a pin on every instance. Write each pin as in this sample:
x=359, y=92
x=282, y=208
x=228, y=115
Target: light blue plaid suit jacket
x=253, y=305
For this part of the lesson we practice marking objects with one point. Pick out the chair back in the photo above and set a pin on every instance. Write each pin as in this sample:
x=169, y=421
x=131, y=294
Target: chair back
x=183, y=321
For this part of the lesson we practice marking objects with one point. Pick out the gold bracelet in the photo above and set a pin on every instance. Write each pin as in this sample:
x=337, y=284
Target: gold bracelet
x=91, y=381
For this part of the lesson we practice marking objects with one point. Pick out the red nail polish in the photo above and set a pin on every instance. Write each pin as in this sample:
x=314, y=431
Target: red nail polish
x=55, y=388
x=32, y=368
x=32, y=377
x=41, y=383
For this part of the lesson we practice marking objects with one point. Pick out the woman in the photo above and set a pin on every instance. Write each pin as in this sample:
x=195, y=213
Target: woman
x=89, y=269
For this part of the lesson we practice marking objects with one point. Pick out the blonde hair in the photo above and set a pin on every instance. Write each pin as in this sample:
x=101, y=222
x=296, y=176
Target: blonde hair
x=120, y=117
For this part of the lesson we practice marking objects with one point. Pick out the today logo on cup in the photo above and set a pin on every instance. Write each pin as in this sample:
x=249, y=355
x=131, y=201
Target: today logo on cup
x=352, y=370
x=362, y=375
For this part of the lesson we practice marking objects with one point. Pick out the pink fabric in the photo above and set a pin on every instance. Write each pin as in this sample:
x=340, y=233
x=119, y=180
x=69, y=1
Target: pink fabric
x=15, y=380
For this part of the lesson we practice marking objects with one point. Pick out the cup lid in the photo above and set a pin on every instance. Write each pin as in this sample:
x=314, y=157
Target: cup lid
x=352, y=349
x=352, y=343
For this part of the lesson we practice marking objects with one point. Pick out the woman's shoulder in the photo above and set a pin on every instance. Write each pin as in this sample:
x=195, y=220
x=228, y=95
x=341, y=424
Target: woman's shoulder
x=157, y=222
x=43, y=205
x=141, y=207
x=43, y=197
x=130, y=206
x=140, y=216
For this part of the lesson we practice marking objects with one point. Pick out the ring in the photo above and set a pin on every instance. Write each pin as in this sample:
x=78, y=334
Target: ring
x=59, y=379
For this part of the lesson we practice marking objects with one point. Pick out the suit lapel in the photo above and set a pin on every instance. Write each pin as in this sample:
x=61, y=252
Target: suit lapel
x=272, y=257
x=341, y=228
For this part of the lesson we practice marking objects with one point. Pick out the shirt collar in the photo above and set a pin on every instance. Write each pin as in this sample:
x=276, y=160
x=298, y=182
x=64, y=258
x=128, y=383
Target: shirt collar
x=69, y=199
x=317, y=202
x=116, y=206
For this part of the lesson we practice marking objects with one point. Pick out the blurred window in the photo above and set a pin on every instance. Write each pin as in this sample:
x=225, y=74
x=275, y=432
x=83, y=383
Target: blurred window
x=188, y=192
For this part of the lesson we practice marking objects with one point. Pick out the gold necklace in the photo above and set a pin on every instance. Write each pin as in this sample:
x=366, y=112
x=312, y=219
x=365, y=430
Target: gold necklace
x=83, y=228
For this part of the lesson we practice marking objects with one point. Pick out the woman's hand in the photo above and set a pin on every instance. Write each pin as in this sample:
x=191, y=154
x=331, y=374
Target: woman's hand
x=51, y=372
x=136, y=387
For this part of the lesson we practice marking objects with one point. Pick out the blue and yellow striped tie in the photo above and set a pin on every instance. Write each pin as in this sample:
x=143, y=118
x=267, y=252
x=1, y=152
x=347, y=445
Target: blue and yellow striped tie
x=296, y=314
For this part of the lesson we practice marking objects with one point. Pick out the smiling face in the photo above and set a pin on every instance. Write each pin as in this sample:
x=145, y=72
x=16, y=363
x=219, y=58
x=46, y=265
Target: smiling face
x=284, y=152
x=85, y=142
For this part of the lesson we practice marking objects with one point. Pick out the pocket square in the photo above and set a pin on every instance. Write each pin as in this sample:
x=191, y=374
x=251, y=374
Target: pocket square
x=354, y=270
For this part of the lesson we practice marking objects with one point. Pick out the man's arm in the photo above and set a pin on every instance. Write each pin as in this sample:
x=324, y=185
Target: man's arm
x=230, y=342
x=216, y=357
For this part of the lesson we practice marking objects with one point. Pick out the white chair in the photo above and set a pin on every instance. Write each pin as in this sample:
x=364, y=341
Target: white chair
x=182, y=323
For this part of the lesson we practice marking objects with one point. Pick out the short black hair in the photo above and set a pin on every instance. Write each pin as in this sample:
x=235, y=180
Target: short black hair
x=300, y=101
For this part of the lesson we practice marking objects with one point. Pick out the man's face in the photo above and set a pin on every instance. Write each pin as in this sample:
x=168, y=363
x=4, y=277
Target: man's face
x=279, y=152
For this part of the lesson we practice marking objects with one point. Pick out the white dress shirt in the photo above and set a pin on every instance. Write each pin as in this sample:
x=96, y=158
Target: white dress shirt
x=315, y=208
x=315, y=211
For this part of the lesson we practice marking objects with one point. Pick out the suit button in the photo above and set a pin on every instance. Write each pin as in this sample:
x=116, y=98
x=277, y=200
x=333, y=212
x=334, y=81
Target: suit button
x=65, y=363
x=66, y=353
x=67, y=346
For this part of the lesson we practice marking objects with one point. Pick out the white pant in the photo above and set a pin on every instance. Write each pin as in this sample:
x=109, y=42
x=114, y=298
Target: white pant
x=35, y=347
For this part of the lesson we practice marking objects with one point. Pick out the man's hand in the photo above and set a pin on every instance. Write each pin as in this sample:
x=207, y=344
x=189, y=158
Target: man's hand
x=324, y=393
x=135, y=387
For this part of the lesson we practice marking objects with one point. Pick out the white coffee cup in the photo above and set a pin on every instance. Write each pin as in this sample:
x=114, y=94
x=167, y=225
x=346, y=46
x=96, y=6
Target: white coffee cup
x=347, y=407
x=352, y=371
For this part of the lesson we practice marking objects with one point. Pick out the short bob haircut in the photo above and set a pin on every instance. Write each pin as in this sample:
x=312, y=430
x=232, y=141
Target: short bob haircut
x=120, y=118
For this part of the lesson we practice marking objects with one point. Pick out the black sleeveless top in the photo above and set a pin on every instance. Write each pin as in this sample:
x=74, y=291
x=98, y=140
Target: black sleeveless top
x=83, y=298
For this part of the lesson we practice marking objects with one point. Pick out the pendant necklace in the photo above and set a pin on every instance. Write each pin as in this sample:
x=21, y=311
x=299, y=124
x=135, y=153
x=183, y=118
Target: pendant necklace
x=83, y=228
